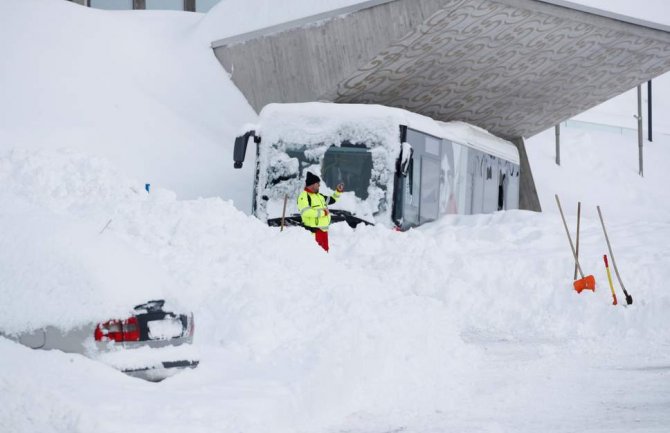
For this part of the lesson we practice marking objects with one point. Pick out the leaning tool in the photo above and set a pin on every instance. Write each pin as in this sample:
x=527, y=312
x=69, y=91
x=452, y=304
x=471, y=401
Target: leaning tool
x=629, y=298
x=609, y=278
x=588, y=282
x=283, y=213
x=579, y=212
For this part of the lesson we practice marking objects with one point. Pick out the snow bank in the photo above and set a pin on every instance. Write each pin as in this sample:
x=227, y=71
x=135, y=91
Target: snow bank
x=387, y=322
x=140, y=89
x=252, y=288
x=56, y=268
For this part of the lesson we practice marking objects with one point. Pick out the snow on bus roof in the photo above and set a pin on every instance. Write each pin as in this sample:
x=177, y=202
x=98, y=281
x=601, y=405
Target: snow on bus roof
x=479, y=138
x=325, y=122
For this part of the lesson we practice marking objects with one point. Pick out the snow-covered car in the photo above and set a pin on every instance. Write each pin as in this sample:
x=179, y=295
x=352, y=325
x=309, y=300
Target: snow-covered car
x=151, y=343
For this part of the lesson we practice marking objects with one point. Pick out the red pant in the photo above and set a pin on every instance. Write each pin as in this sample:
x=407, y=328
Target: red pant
x=321, y=239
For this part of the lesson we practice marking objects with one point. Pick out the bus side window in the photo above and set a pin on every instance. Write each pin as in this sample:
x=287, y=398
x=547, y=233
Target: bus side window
x=414, y=178
x=430, y=189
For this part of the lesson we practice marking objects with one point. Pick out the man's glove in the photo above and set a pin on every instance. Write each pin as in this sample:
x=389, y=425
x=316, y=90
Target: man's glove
x=325, y=212
x=340, y=187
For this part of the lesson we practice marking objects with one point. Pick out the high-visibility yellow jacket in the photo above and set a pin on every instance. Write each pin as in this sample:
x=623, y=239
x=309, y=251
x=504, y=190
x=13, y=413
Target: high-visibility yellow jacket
x=313, y=208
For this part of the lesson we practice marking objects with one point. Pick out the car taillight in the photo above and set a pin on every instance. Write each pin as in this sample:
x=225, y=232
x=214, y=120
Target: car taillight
x=131, y=330
x=118, y=331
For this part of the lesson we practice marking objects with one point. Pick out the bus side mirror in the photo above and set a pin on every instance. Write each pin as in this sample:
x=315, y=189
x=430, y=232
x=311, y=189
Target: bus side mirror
x=405, y=157
x=240, y=150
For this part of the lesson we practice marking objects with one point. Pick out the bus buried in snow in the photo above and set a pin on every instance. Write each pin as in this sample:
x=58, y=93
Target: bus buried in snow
x=399, y=168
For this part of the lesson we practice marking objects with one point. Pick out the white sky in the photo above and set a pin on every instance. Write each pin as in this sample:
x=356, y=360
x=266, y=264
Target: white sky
x=657, y=11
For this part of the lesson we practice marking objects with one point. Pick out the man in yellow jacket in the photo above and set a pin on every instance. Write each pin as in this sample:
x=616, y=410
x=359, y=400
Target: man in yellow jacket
x=313, y=208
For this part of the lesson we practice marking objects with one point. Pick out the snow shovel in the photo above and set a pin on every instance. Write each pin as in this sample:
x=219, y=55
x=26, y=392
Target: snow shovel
x=629, y=298
x=588, y=282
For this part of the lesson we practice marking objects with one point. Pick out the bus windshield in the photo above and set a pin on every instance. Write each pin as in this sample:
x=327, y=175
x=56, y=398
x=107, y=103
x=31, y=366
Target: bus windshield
x=351, y=165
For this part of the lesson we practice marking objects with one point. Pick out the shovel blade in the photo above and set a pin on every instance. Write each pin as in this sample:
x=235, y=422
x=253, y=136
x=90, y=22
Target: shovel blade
x=586, y=283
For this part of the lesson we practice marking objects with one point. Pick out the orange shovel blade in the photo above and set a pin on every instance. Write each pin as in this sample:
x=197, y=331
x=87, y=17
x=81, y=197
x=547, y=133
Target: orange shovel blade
x=586, y=283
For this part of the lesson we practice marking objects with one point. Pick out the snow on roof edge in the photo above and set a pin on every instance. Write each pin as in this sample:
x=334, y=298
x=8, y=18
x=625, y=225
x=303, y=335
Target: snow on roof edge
x=480, y=139
x=456, y=131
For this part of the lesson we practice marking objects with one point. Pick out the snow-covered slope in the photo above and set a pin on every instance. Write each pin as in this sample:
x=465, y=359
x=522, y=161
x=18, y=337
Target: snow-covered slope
x=469, y=324
x=138, y=88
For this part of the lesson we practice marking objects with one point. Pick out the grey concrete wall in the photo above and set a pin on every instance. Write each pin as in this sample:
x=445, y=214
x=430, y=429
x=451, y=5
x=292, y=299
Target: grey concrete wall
x=513, y=67
x=299, y=65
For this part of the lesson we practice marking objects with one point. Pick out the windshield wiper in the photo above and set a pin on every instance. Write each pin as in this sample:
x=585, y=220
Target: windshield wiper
x=351, y=219
x=336, y=216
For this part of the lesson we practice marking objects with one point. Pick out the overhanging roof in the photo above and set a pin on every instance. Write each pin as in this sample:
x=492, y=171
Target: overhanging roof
x=513, y=67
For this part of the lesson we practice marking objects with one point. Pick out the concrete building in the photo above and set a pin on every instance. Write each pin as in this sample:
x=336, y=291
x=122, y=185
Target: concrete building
x=513, y=67
x=180, y=5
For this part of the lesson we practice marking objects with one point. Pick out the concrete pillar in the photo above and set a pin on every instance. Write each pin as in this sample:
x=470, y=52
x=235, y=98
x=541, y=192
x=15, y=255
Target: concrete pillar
x=649, y=110
x=139, y=4
x=639, y=128
x=558, y=144
x=528, y=198
x=189, y=5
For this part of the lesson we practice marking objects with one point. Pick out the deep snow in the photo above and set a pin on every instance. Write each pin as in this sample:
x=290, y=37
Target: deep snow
x=468, y=324
x=140, y=89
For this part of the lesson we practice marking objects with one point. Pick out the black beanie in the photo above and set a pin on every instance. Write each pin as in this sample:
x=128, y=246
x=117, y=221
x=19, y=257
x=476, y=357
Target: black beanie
x=311, y=179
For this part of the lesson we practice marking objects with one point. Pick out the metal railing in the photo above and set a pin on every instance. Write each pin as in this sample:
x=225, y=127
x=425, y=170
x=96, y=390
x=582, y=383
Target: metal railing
x=593, y=126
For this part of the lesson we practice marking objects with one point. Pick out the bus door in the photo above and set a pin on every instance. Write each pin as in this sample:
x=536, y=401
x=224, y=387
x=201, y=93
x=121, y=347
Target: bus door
x=421, y=201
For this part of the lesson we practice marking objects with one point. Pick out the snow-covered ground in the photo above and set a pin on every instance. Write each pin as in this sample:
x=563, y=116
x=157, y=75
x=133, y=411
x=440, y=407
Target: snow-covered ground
x=469, y=324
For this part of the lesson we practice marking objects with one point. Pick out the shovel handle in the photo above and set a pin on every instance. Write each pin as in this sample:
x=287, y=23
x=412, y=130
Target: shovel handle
x=579, y=212
x=567, y=232
x=609, y=248
x=609, y=278
x=283, y=213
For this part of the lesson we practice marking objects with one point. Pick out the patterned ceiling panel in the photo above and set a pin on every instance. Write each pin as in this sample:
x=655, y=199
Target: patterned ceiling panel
x=507, y=66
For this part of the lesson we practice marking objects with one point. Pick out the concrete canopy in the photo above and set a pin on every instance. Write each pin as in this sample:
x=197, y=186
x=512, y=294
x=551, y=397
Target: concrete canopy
x=513, y=67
